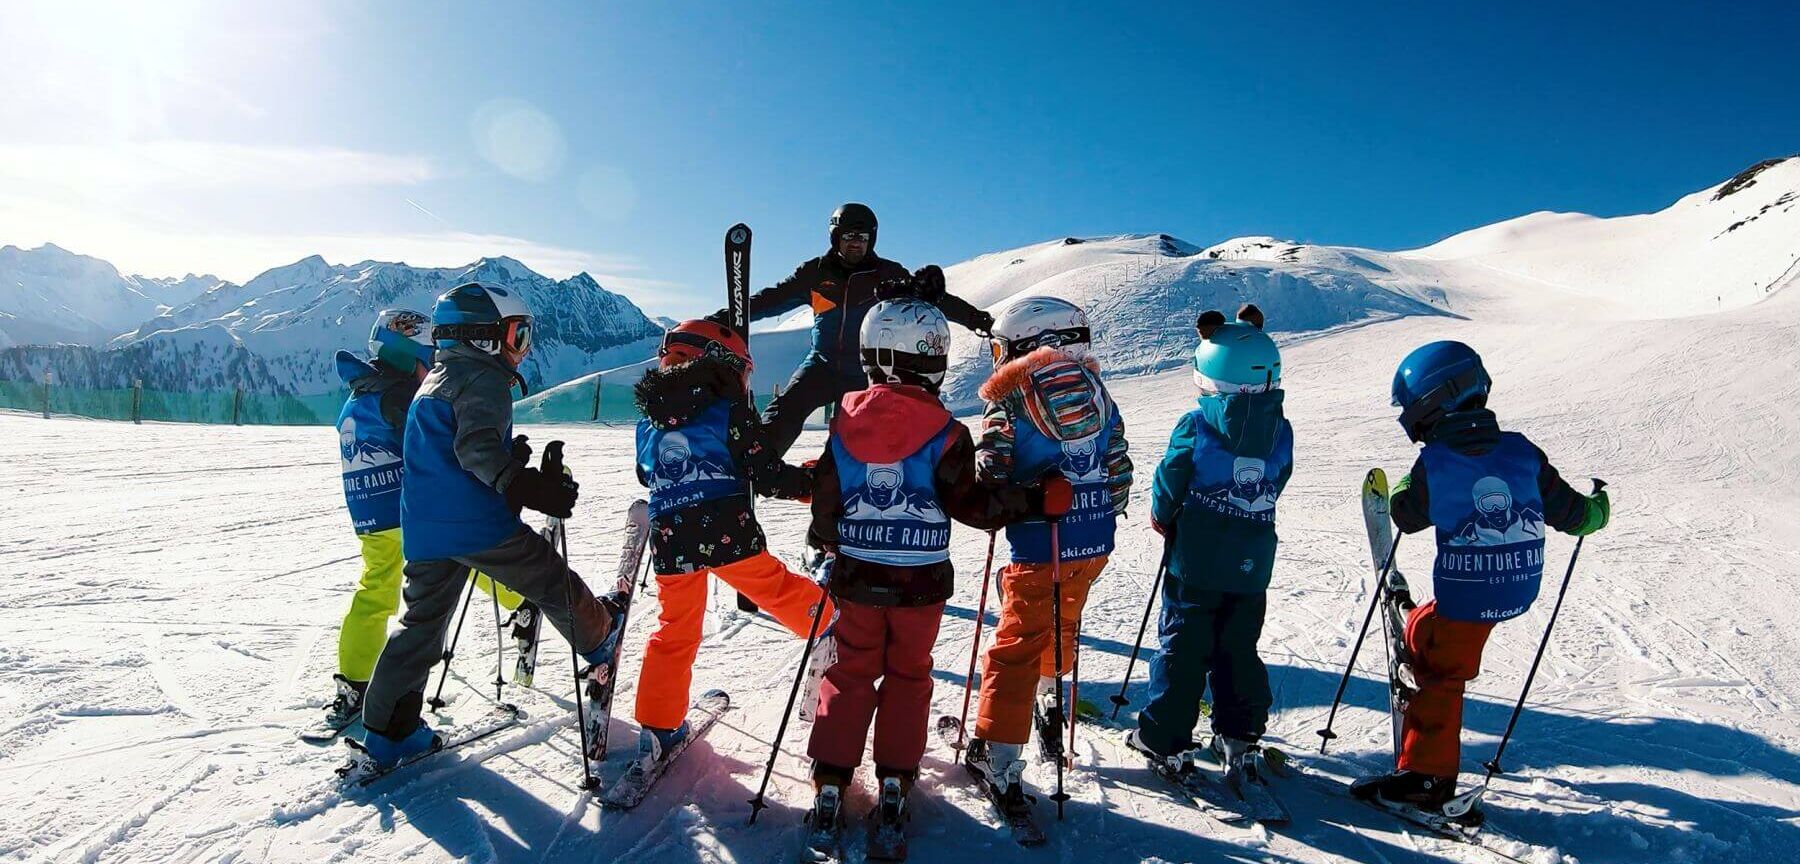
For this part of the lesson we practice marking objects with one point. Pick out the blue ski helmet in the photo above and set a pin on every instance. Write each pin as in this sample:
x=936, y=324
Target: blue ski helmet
x=1235, y=358
x=401, y=338
x=487, y=316
x=1435, y=379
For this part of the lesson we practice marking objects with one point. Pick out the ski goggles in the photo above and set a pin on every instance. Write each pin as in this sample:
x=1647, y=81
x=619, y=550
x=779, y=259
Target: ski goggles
x=512, y=335
x=515, y=335
x=1002, y=348
x=686, y=346
x=856, y=236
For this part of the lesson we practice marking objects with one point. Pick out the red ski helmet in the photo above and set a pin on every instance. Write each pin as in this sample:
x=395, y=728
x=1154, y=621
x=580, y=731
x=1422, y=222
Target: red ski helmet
x=691, y=340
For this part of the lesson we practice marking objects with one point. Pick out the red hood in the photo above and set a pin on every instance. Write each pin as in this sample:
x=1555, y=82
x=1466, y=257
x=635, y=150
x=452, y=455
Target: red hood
x=888, y=422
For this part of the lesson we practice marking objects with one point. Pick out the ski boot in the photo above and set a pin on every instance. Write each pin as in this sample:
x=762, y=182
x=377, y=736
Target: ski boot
x=346, y=706
x=384, y=752
x=1409, y=788
x=887, y=823
x=1048, y=720
x=654, y=745
x=1241, y=760
x=999, y=765
x=1177, y=768
x=825, y=822
x=824, y=653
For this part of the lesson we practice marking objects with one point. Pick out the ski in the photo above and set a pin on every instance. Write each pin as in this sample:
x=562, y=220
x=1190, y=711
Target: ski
x=526, y=624
x=737, y=306
x=325, y=730
x=1251, y=790
x=1017, y=814
x=602, y=683
x=1396, y=599
x=637, y=782
x=1472, y=832
x=1212, y=799
x=361, y=771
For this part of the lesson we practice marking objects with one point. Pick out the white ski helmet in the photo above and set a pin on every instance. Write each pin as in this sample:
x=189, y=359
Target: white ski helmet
x=1035, y=322
x=905, y=341
x=402, y=338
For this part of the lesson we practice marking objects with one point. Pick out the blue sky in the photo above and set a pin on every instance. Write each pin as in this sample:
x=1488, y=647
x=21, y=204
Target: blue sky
x=623, y=138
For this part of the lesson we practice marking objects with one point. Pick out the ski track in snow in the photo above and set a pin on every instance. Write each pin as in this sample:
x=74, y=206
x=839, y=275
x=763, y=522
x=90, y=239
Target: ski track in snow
x=173, y=622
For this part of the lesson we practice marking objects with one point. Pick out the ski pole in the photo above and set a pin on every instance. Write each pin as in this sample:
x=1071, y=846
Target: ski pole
x=1325, y=734
x=1074, y=690
x=987, y=572
x=1056, y=640
x=552, y=465
x=1493, y=765
x=1118, y=699
x=499, y=646
x=812, y=634
x=437, y=699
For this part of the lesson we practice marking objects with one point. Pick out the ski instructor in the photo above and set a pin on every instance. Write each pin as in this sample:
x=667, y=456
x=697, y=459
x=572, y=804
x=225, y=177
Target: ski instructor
x=841, y=286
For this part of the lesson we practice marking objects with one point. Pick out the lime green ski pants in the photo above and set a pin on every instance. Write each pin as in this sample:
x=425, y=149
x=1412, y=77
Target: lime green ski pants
x=377, y=600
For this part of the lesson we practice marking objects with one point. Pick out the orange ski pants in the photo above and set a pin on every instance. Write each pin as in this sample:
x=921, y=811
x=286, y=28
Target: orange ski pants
x=1024, y=644
x=668, y=672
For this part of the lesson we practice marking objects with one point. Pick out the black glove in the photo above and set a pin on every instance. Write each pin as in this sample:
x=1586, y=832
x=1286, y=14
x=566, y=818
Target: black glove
x=894, y=289
x=928, y=283
x=721, y=318
x=984, y=324
x=549, y=495
x=521, y=450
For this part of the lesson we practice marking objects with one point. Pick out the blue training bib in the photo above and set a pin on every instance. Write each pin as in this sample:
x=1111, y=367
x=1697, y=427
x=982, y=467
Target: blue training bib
x=1489, y=516
x=690, y=463
x=1086, y=531
x=890, y=513
x=369, y=452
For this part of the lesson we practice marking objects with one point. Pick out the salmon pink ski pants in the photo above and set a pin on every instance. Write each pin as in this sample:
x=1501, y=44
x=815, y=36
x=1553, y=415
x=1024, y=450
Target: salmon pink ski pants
x=893, y=644
x=1446, y=655
x=668, y=671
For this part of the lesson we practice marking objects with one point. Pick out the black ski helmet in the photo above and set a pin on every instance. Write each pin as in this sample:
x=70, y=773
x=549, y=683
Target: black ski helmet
x=852, y=216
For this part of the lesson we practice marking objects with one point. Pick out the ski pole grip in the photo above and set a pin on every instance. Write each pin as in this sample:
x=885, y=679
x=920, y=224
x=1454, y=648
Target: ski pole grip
x=1599, y=484
x=552, y=463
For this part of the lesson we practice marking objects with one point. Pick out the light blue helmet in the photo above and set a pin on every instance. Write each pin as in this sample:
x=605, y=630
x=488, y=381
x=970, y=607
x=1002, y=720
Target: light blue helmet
x=401, y=338
x=1236, y=357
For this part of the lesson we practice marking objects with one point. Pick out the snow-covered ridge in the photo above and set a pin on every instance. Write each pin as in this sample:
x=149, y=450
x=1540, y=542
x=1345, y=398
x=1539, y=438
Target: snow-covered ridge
x=283, y=326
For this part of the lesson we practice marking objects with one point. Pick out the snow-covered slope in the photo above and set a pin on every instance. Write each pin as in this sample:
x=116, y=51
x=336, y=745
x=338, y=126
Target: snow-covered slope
x=50, y=295
x=154, y=670
x=1720, y=248
x=295, y=317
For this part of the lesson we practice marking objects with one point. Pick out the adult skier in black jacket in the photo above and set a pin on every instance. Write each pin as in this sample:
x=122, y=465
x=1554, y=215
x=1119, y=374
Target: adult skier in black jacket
x=841, y=286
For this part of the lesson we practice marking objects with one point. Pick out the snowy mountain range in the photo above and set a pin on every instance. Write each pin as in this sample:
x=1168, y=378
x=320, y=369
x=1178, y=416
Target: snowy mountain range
x=1717, y=249
x=277, y=332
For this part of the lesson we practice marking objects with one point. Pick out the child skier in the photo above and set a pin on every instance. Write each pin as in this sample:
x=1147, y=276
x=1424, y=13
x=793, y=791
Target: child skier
x=1213, y=501
x=465, y=486
x=1489, y=493
x=1047, y=410
x=896, y=470
x=700, y=450
x=369, y=448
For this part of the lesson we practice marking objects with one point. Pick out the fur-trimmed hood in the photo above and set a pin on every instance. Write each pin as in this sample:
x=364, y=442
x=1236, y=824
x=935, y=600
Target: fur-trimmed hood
x=671, y=397
x=1060, y=393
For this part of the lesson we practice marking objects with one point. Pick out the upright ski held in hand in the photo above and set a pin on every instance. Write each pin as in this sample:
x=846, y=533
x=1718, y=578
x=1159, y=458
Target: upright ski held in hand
x=637, y=781
x=1396, y=596
x=604, y=682
x=737, y=308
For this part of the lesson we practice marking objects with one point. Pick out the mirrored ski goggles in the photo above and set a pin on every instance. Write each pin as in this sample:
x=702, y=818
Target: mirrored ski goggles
x=1004, y=348
x=856, y=236
x=687, y=345
x=515, y=335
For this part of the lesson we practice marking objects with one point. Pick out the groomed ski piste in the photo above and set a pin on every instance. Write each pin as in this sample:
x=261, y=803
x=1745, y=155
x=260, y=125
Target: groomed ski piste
x=174, y=593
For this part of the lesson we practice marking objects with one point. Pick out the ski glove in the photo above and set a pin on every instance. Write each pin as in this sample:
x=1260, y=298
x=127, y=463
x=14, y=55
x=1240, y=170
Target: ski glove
x=1599, y=512
x=521, y=449
x=984, y=324
x=1056, y=495
x=551, y=496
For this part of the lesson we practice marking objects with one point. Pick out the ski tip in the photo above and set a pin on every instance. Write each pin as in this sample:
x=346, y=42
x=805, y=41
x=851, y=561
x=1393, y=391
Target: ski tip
x=715, y=697
x=638, y=513
x=1376, y=482
x=738, y=234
